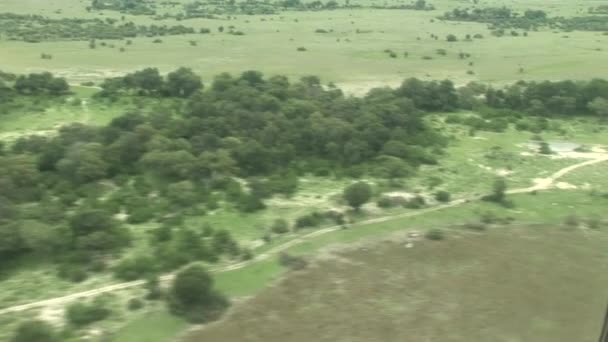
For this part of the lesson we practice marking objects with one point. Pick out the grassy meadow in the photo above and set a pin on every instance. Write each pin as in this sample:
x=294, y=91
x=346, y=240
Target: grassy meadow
x=355, y=61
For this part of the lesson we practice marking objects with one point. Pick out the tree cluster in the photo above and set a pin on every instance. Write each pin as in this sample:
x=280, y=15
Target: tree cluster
x=500, y=19
x=66, y=196
x=182, y=82
x=36, y=28
x=133, y=7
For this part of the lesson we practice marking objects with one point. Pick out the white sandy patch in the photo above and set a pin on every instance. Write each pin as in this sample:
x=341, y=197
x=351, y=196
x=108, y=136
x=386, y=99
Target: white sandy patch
x=526, y=154
x=122, y=216
x=503, y=172
x=400, y=194
x=565, y=186
x=598, y=149
x=480, y=138
x=581, y=155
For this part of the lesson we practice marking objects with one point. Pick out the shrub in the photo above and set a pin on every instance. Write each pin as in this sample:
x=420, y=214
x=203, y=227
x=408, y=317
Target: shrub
x=81, y=314
x=385, y=202
x=572, y=221
x=594, y=222
x=357, y=194
x=435, y=234
x=301, y=48
x=192, y=295
x=451, y=38
x=443, y=196
x=415, y=203
x=35, y=331
x=135, y=304
x=72, y=272
x=309, y=220
x=292, y=262
x=478, y=226
x=135, y=268
x=280, y=226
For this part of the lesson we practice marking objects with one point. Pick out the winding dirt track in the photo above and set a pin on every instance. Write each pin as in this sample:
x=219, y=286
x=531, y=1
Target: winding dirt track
x=541, y=184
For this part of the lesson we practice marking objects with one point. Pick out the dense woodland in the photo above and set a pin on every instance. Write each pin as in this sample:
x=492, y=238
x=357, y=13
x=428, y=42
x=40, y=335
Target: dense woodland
x=63, y=193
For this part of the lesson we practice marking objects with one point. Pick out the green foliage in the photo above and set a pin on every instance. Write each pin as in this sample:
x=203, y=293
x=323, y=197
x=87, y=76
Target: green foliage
x=435, y=234
x=280, y=226
x=81, y=314
x=443, y=196
x=135, y=304
x=192, y=295
x=292, y=262
x=36, y=28
x=135, y=268
x=544, y=148
x=357, y=194
x=35, y=331
x=309, y=220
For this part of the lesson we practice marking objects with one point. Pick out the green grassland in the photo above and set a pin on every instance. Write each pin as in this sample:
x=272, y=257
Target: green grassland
x=354, y=60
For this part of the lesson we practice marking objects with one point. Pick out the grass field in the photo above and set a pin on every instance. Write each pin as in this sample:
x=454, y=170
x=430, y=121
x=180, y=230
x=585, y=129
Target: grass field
x=506, y=284
x=355, y=61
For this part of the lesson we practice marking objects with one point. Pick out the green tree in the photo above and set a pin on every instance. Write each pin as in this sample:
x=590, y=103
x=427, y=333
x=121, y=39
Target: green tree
x=499, y=190
x=192, y=295
x=451, y=38
x=81, y=314
x=357, y=194
x=83, y=163
x=35, y=331
x=599, y=106
x=183, y=82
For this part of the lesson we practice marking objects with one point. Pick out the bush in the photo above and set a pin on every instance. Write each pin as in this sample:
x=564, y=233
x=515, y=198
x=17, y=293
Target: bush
x=135, y=304
x=301, y=48
x=385, y=202
x=35, y=331
x=309, y=220
x=443, y=196
x=292, y=262
x=135, y=268
x=435, y=234
x=415, y=203
x=451, y=38
x=193, y=296
x=478, y=226
x=280, y=226
x=594, y=223
x=81, y=314
x=72, y=272
x=357, y=194
x=572, y=221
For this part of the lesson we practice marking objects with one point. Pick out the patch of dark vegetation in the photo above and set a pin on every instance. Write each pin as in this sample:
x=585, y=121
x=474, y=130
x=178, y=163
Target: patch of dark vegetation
x=36, y=28
x=500, y=20
x=133, y=7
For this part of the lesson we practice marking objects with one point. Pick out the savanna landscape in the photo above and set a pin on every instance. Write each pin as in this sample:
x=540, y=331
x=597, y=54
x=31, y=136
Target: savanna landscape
x=341, y=170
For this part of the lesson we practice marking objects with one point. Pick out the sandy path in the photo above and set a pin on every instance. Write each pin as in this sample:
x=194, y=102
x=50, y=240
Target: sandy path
x=543, y=184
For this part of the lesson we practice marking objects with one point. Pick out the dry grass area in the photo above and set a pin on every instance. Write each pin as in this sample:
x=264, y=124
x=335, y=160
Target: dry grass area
x=505, y=284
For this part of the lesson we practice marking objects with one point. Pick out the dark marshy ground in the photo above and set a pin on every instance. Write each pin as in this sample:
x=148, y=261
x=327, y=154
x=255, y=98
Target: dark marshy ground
x=505, y=284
